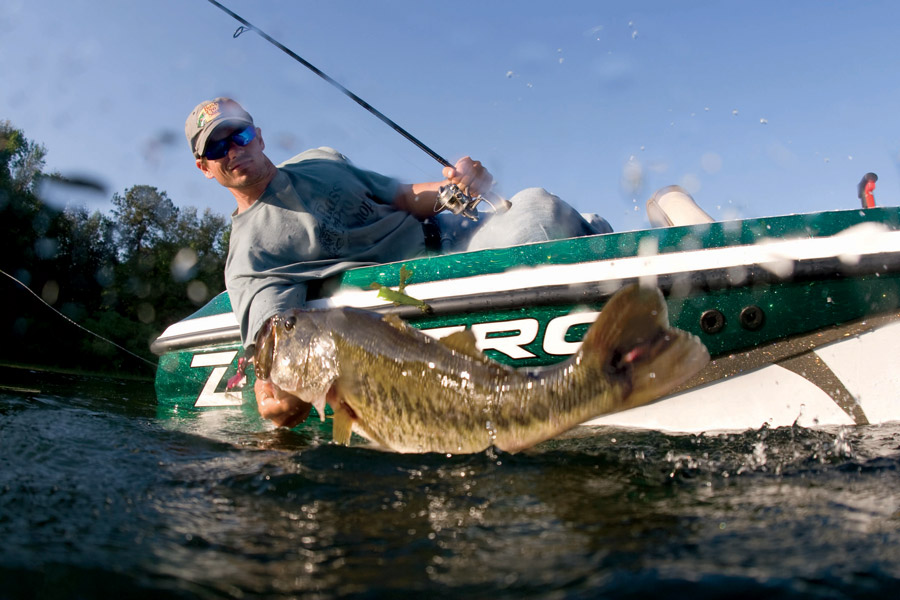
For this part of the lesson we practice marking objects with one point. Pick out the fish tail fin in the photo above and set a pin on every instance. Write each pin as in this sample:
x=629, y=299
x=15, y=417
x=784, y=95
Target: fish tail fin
x=632, y=339
x=629, y=357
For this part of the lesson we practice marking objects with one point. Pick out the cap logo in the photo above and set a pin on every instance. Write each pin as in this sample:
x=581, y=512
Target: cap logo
x=209, y=111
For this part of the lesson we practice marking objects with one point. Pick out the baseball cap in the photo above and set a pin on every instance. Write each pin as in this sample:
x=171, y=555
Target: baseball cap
x=209, y=115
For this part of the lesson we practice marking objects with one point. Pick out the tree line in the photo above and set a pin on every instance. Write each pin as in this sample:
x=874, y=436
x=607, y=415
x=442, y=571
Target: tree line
x=125, y=275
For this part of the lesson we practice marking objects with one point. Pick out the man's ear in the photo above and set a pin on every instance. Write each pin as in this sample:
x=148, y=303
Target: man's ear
x=201, y=164
x=262, y=143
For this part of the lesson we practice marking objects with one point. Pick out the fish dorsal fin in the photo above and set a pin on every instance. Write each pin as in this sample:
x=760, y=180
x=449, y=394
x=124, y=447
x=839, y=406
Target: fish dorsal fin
x=463, y=342
x=342, y=424
x=396, y=322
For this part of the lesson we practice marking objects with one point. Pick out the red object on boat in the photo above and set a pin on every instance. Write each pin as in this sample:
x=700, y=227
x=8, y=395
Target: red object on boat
x=865, y=188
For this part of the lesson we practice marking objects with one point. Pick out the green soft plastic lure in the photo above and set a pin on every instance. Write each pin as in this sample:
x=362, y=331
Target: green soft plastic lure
x=398, y=297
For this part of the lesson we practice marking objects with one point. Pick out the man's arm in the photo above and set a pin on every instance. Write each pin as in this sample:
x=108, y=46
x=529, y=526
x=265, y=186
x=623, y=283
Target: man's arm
x=420, y=199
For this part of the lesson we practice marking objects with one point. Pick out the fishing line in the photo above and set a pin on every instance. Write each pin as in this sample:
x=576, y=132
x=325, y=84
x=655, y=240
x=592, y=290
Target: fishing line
x=247, y=26
x=97, y=335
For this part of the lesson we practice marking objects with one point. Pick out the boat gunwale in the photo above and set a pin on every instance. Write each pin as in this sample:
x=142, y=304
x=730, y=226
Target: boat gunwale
x=585, y=293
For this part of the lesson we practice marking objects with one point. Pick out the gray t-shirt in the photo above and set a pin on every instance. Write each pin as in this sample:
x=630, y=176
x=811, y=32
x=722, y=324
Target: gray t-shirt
x=319, y=216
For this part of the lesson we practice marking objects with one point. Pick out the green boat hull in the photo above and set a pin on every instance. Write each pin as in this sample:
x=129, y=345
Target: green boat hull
x=757, y=292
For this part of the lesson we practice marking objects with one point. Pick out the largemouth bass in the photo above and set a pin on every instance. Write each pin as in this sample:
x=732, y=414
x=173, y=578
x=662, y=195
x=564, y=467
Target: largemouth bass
x=408, y=392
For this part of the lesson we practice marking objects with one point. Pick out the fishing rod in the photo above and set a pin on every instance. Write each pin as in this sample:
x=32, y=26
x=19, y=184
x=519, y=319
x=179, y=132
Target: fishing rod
x=84, y=329
x=450, y=197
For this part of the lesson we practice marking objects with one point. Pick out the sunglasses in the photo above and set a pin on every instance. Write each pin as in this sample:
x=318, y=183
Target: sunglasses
x=218, y=149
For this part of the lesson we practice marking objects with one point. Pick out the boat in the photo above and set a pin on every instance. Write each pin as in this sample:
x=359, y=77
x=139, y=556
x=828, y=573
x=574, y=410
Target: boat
x=800, y=314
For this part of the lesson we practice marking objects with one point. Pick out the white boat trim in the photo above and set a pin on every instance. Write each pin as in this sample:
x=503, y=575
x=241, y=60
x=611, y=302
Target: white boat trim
x=777, y=257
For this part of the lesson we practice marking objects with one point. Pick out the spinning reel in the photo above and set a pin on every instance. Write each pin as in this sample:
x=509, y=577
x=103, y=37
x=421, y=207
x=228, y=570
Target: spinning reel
x=452, y=198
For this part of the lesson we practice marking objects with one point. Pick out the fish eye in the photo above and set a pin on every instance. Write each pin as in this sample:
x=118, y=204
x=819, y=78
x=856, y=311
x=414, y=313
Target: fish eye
x=290, y=322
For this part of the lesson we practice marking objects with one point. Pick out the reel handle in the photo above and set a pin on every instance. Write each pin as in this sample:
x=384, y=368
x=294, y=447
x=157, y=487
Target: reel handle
x=497, y=202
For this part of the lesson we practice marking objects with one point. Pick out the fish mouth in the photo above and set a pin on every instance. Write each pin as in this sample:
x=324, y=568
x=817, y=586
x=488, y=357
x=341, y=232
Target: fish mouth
x=265, y=349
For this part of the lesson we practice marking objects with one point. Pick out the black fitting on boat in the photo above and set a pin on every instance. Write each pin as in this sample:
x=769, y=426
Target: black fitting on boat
x=712, y=321
x=752, y=317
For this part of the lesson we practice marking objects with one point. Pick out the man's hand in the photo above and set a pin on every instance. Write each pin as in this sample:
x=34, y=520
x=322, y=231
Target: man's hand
x=470, y=175
x=420, y=199
x=281, y=408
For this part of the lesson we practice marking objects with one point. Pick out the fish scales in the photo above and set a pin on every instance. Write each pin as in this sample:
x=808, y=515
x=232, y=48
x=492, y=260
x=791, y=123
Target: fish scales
x=410, y=393
x=476, y=403
x=415, y=393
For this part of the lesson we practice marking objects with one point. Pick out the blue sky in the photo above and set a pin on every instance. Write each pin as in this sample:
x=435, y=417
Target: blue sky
x=758, y=108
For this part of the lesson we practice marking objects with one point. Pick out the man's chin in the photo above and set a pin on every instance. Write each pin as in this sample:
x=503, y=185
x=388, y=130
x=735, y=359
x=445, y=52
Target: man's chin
x=238, y=180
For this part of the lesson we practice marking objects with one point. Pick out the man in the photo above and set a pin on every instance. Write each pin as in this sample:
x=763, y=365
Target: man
x=317, y=215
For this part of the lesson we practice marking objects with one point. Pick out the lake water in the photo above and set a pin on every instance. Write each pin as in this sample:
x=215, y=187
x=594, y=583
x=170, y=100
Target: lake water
x=99, y=498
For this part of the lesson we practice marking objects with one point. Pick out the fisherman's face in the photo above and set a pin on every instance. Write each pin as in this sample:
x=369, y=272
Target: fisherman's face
x=242, y=166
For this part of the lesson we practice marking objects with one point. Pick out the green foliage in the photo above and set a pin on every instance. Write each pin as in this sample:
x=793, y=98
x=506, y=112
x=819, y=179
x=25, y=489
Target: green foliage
x=21, y=160
x=125, y=276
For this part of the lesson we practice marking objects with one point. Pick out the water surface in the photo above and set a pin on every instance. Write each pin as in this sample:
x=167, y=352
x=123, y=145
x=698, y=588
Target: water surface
x=101, y=498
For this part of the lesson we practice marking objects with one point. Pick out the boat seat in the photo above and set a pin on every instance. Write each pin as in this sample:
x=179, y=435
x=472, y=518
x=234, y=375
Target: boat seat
x=672, y=206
